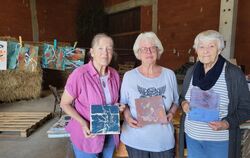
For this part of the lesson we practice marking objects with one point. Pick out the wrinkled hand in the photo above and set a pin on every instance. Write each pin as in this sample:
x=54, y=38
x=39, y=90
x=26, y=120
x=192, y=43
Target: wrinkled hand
x=169, y=117
x=219, y=125
x=121, y=106
x=86, y=131
x=132, y=122
x=185, y=106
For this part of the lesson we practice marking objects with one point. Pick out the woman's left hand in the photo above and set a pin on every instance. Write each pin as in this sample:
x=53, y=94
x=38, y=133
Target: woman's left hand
x=169, y=117
x=219, y=125
x=121, y=106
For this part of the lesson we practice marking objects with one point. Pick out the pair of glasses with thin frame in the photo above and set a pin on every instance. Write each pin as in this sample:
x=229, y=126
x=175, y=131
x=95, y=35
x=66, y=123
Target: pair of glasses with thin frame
x=152, y=49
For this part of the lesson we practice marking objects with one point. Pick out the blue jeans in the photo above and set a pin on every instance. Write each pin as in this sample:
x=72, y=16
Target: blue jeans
x=107, y=152
x=206, y=149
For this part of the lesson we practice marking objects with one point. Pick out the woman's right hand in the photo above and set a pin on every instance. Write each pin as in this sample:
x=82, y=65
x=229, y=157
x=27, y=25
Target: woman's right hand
x=185, y=106
x=86, y=130
x=132, y=122
x=129, y=119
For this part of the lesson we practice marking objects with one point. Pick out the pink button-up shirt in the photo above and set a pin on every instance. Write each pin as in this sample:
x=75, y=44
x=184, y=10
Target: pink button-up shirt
x=84, y=85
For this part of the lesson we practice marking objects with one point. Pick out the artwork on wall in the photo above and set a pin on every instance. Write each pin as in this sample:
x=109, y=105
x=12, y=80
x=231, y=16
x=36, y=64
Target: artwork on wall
x=104, y=119
x=3, y=55
x=150, y=110
x=53, y=57
x=27, y=58
x=74, y=57
x=12, y=56
x=24, y=57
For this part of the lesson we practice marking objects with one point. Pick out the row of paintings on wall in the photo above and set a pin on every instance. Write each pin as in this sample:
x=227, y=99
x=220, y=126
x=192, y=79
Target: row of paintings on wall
x=14, y=56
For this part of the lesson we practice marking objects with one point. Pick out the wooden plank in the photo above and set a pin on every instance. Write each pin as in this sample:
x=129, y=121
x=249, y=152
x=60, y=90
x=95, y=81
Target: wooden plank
x=18, y=123
x=24, y=113
x=21, y=123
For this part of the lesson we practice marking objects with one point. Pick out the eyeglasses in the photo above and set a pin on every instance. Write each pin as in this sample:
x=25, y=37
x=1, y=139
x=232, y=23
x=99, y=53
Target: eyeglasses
x=152, y=49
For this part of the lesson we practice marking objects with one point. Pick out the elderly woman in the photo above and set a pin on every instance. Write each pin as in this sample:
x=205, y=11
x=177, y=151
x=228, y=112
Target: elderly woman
x=93, y=83
x=145, y=81
x=215, y=99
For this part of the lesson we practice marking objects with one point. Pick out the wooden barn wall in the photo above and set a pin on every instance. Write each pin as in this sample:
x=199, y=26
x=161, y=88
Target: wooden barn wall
x=146, y=18
x=124, y=27
x=57, y=19
x=15, y=19
x=242, y=40
x=178, y=24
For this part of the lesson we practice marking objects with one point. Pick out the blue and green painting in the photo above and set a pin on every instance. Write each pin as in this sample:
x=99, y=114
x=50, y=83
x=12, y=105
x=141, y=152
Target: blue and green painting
x=104, y=119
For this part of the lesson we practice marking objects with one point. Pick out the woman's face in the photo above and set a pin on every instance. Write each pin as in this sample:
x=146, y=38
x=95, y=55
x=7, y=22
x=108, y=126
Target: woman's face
x=147, y=52
x=102, y=51
x=208, y=51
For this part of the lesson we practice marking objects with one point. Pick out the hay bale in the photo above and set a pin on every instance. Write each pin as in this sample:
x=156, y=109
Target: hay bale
x=18, y=85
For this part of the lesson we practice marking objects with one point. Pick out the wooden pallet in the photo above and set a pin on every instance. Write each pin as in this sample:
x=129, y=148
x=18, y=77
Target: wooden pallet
x=21, y=124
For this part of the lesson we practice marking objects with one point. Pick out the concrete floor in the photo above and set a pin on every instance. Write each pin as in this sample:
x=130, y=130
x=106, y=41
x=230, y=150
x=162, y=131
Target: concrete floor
x=37, y=144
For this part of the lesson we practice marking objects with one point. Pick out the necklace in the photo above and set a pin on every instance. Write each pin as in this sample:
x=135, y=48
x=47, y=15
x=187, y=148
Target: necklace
x=103, y=83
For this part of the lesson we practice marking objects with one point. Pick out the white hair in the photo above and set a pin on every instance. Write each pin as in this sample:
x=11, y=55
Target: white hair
x=209, y=35
x=97, y=38
x=151, y=37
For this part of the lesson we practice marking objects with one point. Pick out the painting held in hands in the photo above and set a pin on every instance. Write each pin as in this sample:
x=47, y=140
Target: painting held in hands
x=150, y=110
x=104, y=119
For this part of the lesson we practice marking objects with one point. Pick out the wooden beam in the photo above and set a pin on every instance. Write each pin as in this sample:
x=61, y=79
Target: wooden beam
x=127, y=5
x=34, y=21
x=228, y=19
x=155, y=16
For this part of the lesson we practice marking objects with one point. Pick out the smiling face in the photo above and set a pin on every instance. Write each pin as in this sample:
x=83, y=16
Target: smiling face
x=102, y=52
x=208, y=52
x=147, y=52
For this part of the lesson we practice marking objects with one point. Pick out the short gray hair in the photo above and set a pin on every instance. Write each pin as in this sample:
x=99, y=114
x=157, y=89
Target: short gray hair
x=97, y=38
x=148, y=36
x=209, y=35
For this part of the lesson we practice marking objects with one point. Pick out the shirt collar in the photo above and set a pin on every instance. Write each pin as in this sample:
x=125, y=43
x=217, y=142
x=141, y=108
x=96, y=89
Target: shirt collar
x=93, y=71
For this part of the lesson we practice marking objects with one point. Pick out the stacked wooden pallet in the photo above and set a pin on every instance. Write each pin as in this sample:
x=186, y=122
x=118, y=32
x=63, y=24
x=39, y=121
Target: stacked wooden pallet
x=21, y=124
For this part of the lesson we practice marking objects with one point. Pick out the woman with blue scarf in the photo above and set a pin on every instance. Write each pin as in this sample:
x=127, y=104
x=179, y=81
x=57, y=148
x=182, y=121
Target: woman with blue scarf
x=215, y=100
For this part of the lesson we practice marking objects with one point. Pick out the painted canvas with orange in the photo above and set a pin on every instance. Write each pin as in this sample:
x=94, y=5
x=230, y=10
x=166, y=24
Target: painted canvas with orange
x=150, y=110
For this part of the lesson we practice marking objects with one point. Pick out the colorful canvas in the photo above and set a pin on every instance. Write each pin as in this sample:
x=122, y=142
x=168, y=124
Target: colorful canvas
x=27, y=58
x=58, y=129
x=12, y=55
x=204, y=105
x=53, y=58
x=3, y=55
x=74, y=57
x=150, y=110
x=104, y=119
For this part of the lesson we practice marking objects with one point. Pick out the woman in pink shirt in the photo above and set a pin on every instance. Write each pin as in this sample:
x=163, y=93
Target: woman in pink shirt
x=94, y=83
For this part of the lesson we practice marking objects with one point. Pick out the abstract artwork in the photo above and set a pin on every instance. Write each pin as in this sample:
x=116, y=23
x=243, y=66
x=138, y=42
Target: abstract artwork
x=3, y=55
x=150, y=110
x=204, y=105
x=104, y=119
x=12, y=57
x=58, y=129
x=53, y=58
x=74, y=57
x=27, y=58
